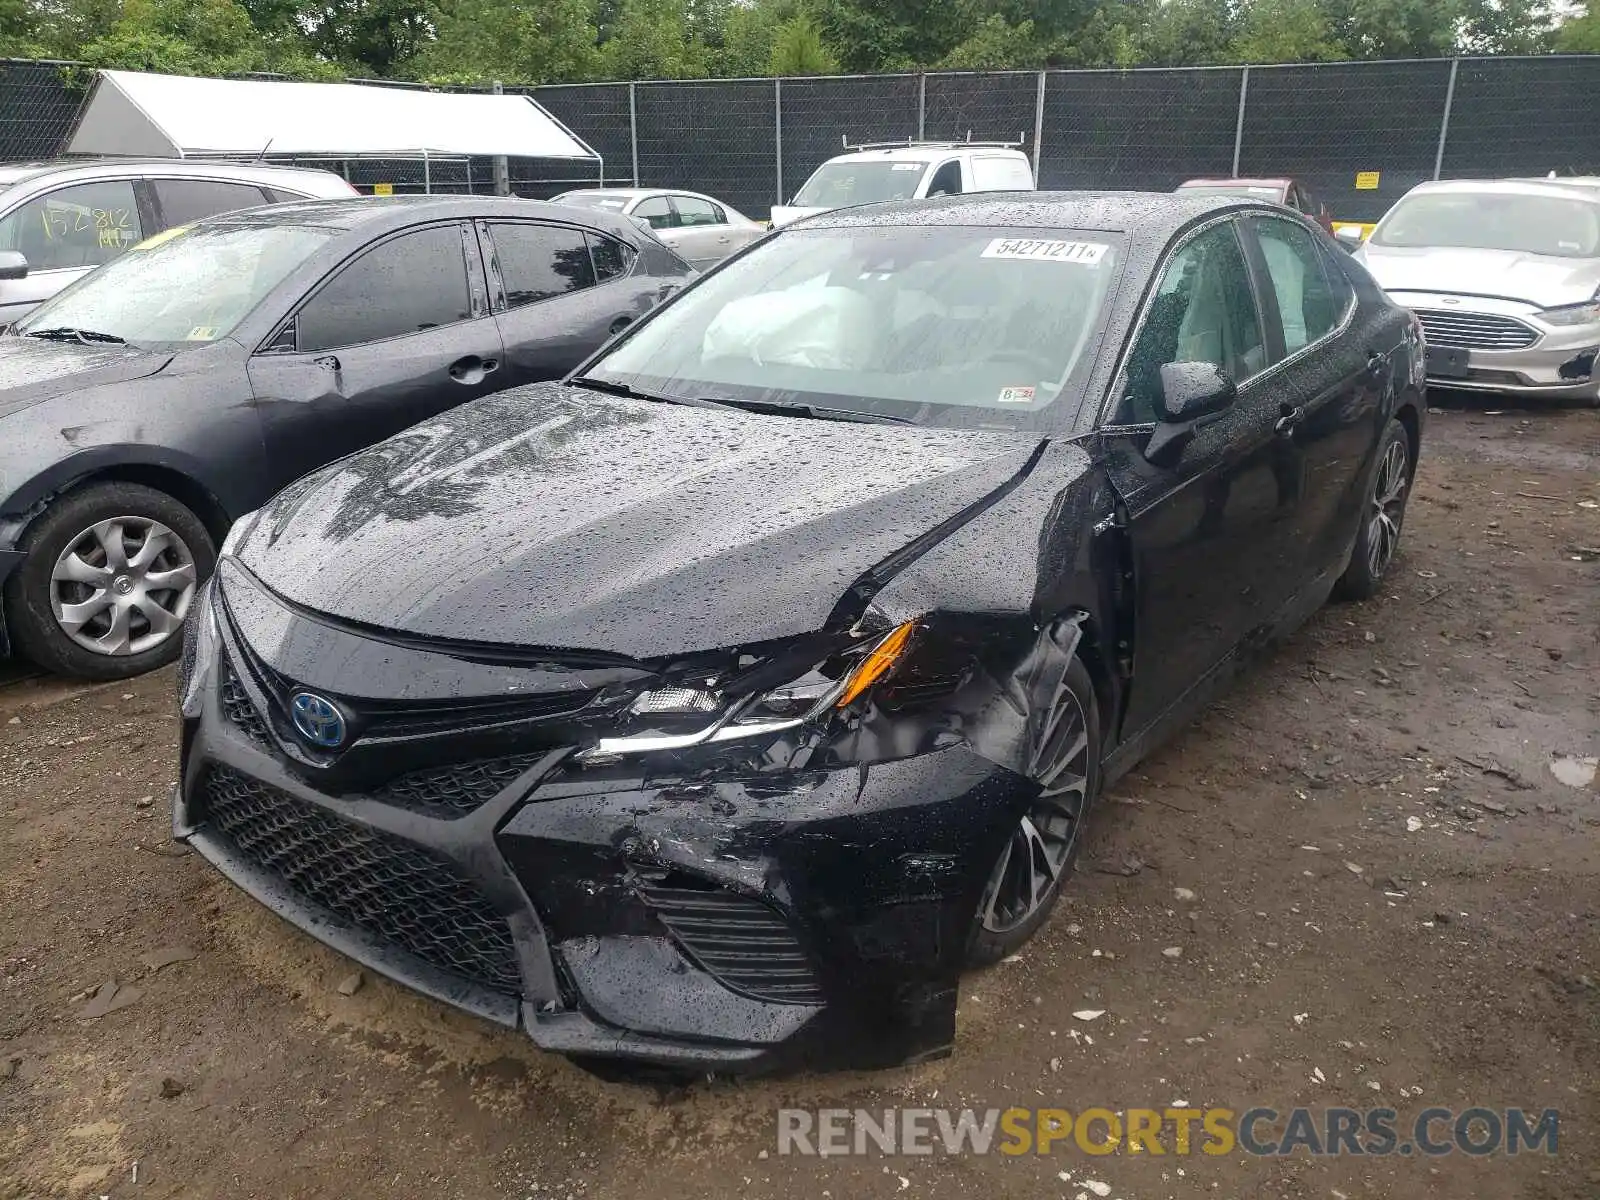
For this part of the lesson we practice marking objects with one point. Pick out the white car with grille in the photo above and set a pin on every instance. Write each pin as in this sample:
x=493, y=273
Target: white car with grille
x=1504, y=276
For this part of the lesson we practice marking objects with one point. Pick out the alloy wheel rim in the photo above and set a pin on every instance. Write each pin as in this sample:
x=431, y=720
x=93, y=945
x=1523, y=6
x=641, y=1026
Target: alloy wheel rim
x=1039, y=848
x=122, y=586
x=1388, y=509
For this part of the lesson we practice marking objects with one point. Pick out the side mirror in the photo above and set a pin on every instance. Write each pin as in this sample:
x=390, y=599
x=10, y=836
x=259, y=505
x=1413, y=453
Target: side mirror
x=13, y=265
x=1348, y=236
x=1191, y=392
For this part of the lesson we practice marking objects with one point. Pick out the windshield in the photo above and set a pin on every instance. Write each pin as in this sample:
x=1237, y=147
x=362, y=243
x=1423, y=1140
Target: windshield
x=1259, y=191
x=841, y=184
x=186, y=286
x=1555, y=225
x=609, y=201
x=943, y=326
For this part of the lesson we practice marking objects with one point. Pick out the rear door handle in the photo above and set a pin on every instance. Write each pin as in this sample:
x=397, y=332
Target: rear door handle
x=472, y=369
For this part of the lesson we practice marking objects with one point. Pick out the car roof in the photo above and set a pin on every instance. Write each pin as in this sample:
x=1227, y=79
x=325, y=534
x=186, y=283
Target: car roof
x=13, y=173
x=1155, y=215
x=376, y=214
x=920, y=152
x=1504, y=187
x=1239, y=181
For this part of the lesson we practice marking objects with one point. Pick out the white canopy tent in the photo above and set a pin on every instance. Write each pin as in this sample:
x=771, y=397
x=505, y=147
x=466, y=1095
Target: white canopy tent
x=131, y=113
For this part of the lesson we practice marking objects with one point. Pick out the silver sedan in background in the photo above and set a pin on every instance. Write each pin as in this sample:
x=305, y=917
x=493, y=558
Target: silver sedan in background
x=1504, y=276
x=701, y=230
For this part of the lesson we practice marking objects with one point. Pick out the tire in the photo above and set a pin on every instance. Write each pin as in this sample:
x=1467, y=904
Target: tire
x=991, y=940
x=1383, y=514
x=127, y=626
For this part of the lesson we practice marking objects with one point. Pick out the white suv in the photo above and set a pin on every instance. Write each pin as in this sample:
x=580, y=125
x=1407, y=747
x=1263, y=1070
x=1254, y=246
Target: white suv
x=61, y=220
x=874, y=174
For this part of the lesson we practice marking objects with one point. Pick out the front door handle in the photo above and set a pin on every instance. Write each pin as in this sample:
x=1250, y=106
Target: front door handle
x=1290, y=416
x=331, y=361
x=472, y=369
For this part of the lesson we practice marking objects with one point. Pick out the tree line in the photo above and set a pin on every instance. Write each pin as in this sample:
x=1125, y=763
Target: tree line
x=546, y=41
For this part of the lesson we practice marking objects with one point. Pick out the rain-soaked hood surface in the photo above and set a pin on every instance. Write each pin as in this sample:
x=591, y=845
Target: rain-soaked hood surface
x=1539, y=279
x=559, y=518
x=33, y=369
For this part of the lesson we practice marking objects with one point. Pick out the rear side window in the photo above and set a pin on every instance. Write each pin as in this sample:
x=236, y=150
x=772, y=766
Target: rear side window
x=611, y=258
x=186, y=200
x=1000, y=173
x=538, y=262
x=410, y=283
x=283, y=196
x=1306, y=303
x=79, y=226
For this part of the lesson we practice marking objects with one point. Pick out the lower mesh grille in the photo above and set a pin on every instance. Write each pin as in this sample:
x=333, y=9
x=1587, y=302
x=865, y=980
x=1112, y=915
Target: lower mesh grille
x=390, y=888
x=738, y=939
x=453, y=791
x=236, y=706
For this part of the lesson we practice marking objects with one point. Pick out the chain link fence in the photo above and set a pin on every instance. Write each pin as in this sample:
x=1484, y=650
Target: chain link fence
x=1358, y=134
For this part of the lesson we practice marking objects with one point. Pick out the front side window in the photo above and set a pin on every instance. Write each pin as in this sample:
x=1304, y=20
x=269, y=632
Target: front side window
x=1560, y=226
x=79, y=226
x=538, y=262
x=1204, y=310
x=1306, y=302
x=183, y=286
x=694, y=211
x=407, y=284
x=657, y=211
x=946, y=180
x=961, y=327
x=841, y=184
x=186, y=200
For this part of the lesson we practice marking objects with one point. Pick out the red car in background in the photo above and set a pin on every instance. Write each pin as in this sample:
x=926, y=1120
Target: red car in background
x=1290, y=192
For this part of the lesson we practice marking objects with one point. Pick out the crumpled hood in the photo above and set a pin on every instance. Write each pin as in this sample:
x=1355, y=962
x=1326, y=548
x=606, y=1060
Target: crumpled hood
x=559, y=518
x=32, y=370
x=1538, y=279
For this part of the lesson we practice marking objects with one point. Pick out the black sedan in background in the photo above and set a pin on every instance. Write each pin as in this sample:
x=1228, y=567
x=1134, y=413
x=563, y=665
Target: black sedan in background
x=180, y=385
x=716, y=707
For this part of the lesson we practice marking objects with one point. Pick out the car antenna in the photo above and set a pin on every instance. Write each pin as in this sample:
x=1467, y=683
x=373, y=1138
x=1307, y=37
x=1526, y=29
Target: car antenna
x=264, y=150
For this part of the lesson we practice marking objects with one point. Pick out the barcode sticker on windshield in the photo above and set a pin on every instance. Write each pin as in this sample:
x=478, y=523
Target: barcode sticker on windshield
x=907, y=166
x=1042, y=250
x=1015, y=395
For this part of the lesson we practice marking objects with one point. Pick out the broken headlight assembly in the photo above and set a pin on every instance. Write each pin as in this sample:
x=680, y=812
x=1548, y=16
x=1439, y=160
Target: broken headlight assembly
x=772, y=696
x=1587, y=313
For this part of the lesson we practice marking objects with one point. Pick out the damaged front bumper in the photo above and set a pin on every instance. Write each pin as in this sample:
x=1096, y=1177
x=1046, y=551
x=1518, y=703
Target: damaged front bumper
x=721, y=921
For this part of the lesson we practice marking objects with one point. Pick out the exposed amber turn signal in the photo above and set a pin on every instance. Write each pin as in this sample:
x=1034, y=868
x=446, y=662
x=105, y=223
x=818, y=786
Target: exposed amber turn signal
x=877, y=664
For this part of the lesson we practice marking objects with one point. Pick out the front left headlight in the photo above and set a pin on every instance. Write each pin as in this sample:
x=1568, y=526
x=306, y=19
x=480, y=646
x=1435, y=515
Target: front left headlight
x=1587, y=313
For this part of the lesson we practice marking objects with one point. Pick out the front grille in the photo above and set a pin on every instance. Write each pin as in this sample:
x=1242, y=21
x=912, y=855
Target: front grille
x=453, y=791
x=738, y=939
x=1474, y=331
x=238, y=709
x=392, y=889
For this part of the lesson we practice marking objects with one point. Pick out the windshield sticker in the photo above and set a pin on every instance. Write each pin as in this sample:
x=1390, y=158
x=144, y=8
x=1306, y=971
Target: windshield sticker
x=202, y=333
x=1041, y=250
x=906, y=167
x=1015, y=395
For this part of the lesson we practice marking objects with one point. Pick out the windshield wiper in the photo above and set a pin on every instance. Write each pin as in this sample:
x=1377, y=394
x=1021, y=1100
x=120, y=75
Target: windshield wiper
x=780, y=408
x=66, y=333
x=612, y=388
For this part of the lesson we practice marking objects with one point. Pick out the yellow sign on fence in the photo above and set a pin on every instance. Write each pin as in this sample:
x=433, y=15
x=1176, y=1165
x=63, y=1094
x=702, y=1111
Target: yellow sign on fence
x=387, y=189
x=1366, y=181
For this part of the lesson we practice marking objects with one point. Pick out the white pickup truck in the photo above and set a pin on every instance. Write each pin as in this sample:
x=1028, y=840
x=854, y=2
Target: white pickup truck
x=908, y=171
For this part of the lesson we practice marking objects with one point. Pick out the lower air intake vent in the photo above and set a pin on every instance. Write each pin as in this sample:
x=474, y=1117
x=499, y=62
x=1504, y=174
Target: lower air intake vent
x=740, y=940
x=392, y=889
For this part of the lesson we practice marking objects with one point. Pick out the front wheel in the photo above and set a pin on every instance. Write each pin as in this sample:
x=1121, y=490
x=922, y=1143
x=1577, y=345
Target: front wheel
x=109, y=576
x=1025, y=881
x=1381, y=518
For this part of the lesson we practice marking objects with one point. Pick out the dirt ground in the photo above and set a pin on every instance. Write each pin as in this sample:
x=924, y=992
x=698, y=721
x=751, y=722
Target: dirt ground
x=1411, y=737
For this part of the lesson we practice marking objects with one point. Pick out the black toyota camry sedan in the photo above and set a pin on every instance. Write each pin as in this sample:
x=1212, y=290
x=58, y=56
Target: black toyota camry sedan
x=716, y=707
x=182, y=384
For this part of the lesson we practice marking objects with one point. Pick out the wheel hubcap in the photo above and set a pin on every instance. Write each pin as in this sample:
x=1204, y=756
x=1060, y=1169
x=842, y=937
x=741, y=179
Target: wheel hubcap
x=1388, y=508
x=1036, y=855
x=122, y=586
